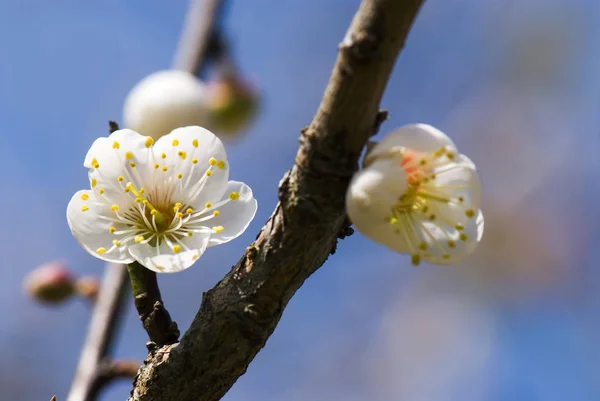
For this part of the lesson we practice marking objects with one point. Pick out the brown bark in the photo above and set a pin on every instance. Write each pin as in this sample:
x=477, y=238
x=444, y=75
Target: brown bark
x=239, y=314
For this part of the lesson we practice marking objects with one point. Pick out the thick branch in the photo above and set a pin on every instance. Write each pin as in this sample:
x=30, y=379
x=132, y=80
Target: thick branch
x=239, y=314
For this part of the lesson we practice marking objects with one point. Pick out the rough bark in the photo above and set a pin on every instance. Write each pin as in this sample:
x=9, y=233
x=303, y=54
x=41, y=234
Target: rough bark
x=239, y=314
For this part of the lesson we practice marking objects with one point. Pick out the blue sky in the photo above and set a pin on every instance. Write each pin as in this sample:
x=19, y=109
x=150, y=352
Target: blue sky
x=519, y=323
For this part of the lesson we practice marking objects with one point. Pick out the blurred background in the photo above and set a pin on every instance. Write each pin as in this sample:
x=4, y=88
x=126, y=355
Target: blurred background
x=515, y=83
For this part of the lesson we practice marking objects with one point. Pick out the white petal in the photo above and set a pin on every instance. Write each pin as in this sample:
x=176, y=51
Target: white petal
x=91, y=231
x=200, y=145
x=234, y=216
x=164, y=101
x=123, y=154
x=164, y=260
x=418, y=137
x=375, y=190
x=437, y=237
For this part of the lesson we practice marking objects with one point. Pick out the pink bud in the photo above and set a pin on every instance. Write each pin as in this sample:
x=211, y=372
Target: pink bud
x=51, y=283
x=232, y=105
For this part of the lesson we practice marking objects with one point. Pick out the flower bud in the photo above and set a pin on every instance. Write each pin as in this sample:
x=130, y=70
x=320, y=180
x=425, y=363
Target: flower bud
x=51, y=283
x=232, y=105
x=87, y=287
x=164, y=101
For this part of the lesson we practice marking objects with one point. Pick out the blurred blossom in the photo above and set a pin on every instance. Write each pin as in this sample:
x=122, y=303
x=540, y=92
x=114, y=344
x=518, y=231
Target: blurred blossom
x=51, y=283
x=164, y=101
x=232, y=105
x=431, y=347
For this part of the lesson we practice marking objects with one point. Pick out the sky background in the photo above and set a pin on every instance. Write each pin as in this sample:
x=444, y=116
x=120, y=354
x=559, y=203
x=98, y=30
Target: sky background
x=515, y=83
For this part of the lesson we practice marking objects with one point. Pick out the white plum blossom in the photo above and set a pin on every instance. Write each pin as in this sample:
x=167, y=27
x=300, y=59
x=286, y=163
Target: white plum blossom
x=417, y=195
x=165, y=100
x=159, y=203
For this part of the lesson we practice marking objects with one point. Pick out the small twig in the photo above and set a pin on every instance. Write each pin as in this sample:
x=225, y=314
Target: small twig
x=148, y=302
x=200, y=39
x=105, y=320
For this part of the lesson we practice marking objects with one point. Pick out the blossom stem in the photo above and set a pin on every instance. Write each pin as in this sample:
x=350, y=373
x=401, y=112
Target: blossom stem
x=148, y=302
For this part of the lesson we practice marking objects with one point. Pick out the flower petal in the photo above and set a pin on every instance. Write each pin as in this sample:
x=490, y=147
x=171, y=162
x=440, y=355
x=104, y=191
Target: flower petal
x=86, y=217
x=446, y=245
x=417, y=137
x=191, y=152
x=114, y=161
x=234, y=216
x=163, y=259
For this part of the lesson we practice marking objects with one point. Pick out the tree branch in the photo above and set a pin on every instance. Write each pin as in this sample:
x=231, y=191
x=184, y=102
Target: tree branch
x=105, y=320
x=238, y=315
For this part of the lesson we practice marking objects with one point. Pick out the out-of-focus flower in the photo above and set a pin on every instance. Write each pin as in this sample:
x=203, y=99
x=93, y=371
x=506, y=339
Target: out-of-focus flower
x=51, y=283
x=88, y=287
x=232, y=105
x=161, y=203
x=418, y=195
x=163, y=101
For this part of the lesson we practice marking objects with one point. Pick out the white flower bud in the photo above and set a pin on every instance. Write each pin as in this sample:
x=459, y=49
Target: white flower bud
x=164, y=101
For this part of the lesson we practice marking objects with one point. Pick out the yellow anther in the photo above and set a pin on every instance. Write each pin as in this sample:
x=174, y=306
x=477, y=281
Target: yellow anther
x=208, y=173
x=156, y=165
x=218, y=229
x=159, y=267
x=459, y=227
x=129, y=155
x=120, y=178
x=423, y=246
x=176, y=248
x=221, y=164
x=415, y=260
x=189, y=210
x=132, y=164
x=94, y=182
x=451, y=244
x=163, y=155
x=164, y=168
x=101, y=191
x=179, y=215
x=178, y=205
x=463, y=237
x=450, y=155
x=189, y=234
x=425, y=209
x=126, y=189
x=114, y=208
x=212, y=161
x=175, y=142
x=195, y=143
x=138, y=199
x=440, y=152
x=182, y=154
x=422, y=162
x=461, y=199
x=234, y=196
x=100, y=251
x=194, y=160
x=84, y=208
x=180, y=176
x=145, y=202
x=216, y=213
x=116, y=145
x=195, y=257
x=116, y=242
x=432, y=217
x=139, y=239
x=149, y=141
x=153, y=212
x=208, y=205
x=446, y=256
x=84, y=196
x=95, y=163
x=470, y=213
x=112, y=230
x=142, y=190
